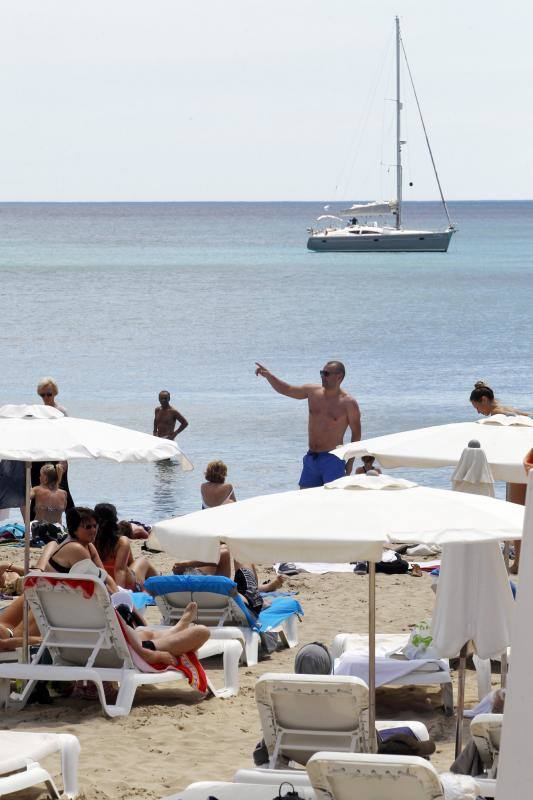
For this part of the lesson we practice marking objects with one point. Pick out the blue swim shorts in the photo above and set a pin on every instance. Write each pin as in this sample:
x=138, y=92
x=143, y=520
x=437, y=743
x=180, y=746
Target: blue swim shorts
x=320, y=468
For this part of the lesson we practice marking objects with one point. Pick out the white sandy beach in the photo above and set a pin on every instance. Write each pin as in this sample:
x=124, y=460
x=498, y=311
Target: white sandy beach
x=173, y=737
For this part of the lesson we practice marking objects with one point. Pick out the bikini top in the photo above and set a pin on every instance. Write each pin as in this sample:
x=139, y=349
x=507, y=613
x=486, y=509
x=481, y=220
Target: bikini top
x=53, y=563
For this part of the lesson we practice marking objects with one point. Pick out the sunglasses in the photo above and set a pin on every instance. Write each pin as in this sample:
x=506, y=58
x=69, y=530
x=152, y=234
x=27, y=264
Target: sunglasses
x=88, y=526
x=46, y=394
x=325, y=373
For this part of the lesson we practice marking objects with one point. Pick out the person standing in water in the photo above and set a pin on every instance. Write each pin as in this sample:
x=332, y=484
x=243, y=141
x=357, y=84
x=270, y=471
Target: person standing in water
x=165, y=418
x=483, y=399
x=331, y=412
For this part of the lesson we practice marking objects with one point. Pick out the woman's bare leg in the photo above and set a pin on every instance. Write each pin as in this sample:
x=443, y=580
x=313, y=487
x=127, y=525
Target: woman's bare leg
x=178, y=642
x=143, y=569
x=516, y=493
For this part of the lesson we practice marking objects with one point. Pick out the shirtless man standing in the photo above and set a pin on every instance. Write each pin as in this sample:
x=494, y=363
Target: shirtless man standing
x=331, y=411
x=165, y=418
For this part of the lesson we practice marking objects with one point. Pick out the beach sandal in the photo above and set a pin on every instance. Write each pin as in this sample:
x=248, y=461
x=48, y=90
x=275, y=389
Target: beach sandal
x=416, y=571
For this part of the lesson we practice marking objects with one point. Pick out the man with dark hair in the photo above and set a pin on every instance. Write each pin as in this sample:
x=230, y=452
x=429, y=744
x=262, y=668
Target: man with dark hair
x=165, y=418
x=331, y=412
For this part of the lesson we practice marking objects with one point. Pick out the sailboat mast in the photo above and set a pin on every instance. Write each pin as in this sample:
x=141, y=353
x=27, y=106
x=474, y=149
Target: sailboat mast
x=398, y=130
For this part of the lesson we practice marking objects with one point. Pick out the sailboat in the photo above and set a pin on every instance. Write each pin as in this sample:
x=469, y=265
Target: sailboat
x=369, y=236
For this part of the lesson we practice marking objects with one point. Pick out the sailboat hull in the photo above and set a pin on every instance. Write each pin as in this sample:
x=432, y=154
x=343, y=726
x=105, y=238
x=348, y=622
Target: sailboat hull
x=334, y=241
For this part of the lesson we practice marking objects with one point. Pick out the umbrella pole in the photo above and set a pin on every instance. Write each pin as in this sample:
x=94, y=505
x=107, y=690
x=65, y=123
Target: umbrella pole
x=27, y=537
x=372, y=656
x=460, y=700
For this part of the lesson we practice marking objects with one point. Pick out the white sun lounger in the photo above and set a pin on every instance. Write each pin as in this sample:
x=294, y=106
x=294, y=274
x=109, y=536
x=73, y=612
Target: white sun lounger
x=429, y=674
x=303, y=714
x=218, y=610
x=81, y=631
x=345, y=776
x=19, y=761
x=237, y=791
x=486, y=732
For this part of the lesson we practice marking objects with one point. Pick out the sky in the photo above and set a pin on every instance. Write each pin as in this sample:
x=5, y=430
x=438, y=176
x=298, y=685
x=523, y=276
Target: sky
x=240, y=100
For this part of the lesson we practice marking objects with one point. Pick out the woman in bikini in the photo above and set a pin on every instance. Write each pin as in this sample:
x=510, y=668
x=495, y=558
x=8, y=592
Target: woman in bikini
x=114, y=548
x=50, y=500
x=483, y=399
x=78, y=546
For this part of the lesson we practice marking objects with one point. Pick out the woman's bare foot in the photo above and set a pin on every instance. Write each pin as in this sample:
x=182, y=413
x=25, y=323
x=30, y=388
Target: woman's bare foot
x=189, y=615
x=416, y=571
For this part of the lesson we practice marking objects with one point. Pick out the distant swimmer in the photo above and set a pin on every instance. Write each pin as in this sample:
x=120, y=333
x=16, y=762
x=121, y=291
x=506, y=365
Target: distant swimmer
x=165, y=418
x=331, y=412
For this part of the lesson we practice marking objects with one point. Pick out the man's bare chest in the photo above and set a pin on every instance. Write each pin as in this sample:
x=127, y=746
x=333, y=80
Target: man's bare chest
x=327, y=410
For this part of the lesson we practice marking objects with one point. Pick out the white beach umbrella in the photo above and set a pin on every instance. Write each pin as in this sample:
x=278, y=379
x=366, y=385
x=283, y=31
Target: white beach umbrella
x=505, y=440
x=514, y=767
x=28, y=434
x=42, y=433
x=350, y=519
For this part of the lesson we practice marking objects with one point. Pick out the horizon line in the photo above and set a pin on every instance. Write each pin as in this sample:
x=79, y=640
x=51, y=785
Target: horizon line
x=249, y=202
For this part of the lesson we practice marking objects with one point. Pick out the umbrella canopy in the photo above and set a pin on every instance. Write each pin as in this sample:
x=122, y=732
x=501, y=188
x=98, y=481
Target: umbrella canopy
x=505, y=440
x=350, y=519
x=41, y=433
x=514, y=768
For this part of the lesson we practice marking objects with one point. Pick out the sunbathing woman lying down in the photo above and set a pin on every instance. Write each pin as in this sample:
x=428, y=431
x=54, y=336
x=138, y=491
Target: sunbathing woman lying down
x=166, y=645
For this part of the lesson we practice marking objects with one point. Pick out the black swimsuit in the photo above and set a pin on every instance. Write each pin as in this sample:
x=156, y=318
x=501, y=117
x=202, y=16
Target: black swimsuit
x=53, y=563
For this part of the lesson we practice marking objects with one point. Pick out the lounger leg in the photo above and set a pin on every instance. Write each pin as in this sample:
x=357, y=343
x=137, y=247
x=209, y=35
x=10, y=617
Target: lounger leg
x=70, y=752
x=4, y=692
x=447, y=698
x=251, y=645
x=289, y=631
x=231, y=657
x=123, y=703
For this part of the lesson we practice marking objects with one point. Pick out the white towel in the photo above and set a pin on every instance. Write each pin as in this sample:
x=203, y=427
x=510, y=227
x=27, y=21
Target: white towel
x=388, y=670
x=473, y=474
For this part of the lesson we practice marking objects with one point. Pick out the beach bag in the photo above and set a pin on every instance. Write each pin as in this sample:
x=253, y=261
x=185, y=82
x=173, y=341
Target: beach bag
x=420, y=642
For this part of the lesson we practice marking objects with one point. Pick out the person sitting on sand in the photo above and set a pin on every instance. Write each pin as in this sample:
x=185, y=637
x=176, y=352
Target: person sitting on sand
x=483, y=399
x=368, y=465
x=113, y=545
x=78, y=546
x=50, y=500
x=215, y=491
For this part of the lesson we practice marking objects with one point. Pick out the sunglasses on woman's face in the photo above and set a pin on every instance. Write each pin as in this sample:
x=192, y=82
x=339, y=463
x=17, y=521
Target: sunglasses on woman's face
x=46, y=394
x=87, y=526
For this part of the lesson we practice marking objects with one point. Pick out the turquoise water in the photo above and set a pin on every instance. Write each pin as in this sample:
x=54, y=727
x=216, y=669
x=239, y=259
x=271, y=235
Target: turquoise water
x=118, y=301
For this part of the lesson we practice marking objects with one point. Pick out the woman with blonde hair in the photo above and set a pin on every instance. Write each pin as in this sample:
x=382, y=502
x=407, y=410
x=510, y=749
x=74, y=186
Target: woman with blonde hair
x=47, y=390
x=50, y=500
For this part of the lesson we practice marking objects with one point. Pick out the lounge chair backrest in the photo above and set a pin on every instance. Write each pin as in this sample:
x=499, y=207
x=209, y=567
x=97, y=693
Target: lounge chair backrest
x=215, y=608
x=345, y=776
x=78, y=624
x=486, y=732
x=302, y=714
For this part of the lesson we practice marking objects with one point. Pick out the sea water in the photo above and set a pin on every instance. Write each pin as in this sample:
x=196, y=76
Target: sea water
x=118, y=301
